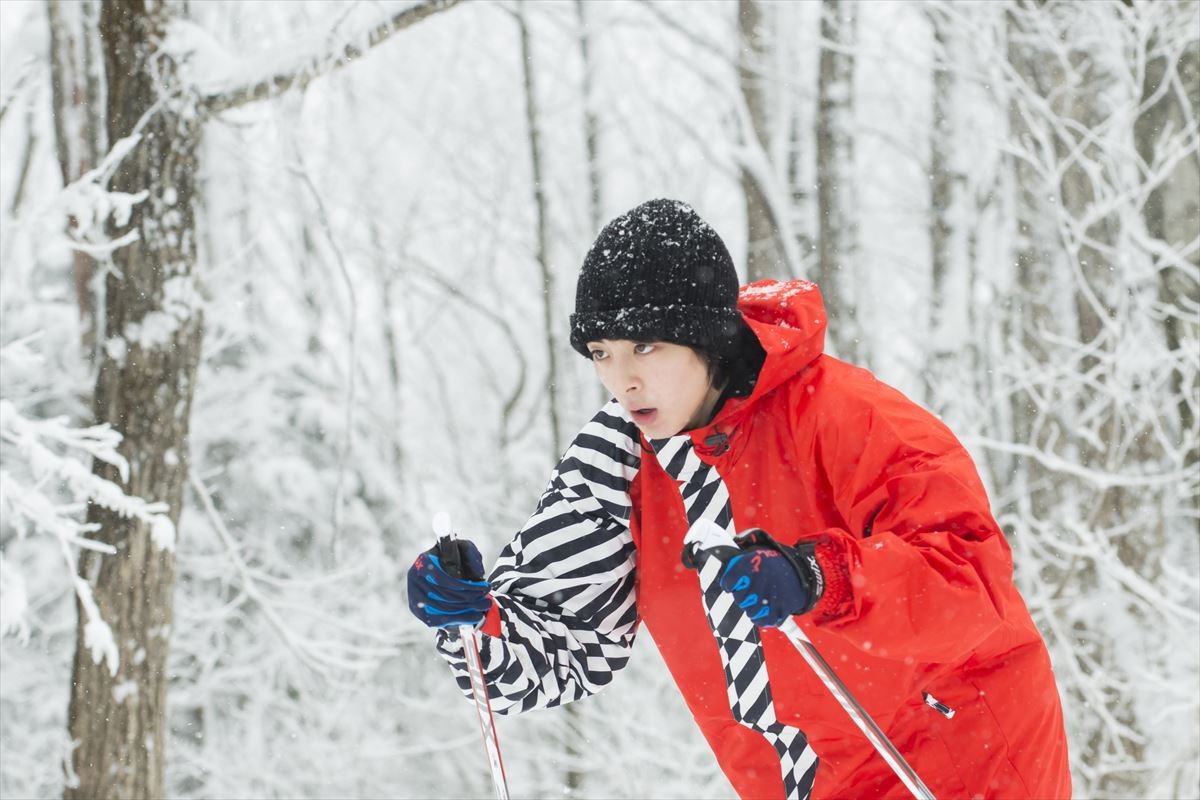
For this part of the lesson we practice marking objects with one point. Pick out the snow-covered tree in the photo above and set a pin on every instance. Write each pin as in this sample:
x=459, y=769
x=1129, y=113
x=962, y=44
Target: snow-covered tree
x=372, y=230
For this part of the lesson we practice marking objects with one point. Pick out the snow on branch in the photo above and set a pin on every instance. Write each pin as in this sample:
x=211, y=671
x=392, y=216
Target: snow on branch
x=183, y=39
x=1097, y=478
x=45, y=487
x=89, y=205
x=33, y=440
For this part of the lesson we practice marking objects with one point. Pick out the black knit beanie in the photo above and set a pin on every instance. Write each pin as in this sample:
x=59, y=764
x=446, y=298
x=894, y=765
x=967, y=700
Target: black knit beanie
x=658, y=273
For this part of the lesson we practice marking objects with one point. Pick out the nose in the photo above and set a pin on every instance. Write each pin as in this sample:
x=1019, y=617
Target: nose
x=630, y=380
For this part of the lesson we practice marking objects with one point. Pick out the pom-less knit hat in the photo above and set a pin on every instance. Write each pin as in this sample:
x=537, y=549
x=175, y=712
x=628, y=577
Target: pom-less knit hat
x=657, y=273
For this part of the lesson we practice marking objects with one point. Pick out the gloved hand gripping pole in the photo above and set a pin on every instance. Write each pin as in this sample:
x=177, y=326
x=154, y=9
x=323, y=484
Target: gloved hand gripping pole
x=448, y=554
x=707, y=539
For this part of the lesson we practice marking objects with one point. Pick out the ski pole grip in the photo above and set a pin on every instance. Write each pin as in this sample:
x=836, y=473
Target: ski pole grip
x=448, y=553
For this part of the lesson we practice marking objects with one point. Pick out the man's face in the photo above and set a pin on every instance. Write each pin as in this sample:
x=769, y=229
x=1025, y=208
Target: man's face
x=665, y=387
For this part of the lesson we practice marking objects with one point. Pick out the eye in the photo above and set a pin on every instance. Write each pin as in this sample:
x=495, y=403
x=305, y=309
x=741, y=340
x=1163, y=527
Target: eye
x=643, y=348
x=598, y=355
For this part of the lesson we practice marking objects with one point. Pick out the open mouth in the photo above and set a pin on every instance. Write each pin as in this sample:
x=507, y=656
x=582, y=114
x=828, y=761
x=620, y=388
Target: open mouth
x=644, y=416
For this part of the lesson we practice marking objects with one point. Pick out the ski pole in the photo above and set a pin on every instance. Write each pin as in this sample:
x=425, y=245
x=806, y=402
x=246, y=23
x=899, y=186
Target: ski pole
x=708, y=536
x=448, y=554
x=904, y=771
x=483, y=709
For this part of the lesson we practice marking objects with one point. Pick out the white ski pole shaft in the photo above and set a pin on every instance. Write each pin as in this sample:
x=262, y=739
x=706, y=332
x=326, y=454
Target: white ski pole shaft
x=483, y=709
x=904, y=771
x=466, y=634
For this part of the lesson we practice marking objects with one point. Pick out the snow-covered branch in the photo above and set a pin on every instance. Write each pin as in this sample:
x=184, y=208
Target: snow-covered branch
x=312, y=66
x=45, y=487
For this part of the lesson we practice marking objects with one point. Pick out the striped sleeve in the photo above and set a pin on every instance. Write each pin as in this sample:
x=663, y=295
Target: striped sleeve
x=565, y=586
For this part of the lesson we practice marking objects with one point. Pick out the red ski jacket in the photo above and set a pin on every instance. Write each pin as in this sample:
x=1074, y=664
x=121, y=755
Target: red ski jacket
x=920, y=617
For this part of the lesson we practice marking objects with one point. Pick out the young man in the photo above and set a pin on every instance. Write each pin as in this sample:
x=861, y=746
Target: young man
x=870, y=525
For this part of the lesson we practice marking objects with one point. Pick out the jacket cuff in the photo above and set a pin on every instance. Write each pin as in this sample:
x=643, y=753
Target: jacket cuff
x=838, y=596
x=491, y=623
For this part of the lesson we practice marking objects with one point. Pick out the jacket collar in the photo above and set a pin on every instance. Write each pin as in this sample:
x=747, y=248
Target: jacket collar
x=788, y=319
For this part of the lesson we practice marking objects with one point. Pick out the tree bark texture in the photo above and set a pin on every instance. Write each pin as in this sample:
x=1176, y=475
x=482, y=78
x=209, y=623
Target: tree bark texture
x=941, y=196
x=543, y=258
x=836, y=206
x=1172, y=209
x=591, y=140
x=77, y=94
x=764, y=255
x=1040, y=298
x=941, y=183
x=144, y=390
x=591, y=123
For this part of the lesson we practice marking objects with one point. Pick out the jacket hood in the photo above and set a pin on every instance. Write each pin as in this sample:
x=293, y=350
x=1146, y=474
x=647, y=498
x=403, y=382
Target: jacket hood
x=788, y=318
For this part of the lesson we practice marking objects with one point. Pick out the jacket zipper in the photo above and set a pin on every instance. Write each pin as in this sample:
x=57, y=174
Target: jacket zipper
x=716, y=444
x=943, y=709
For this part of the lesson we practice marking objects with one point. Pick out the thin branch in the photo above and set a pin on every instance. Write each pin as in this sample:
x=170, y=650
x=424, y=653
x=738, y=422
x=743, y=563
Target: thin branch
x=28, y=68
x=430, y=273
x=1056, y=463
x=352, y=355
x=323, y=63
x=320, y=655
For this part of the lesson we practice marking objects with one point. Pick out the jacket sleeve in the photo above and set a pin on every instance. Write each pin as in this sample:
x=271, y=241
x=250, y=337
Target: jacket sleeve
x=920, y=569
x=565, y=609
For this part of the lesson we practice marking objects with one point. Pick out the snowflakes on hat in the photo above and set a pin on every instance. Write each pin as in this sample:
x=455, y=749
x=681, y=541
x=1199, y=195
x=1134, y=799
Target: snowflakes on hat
x=675, y=323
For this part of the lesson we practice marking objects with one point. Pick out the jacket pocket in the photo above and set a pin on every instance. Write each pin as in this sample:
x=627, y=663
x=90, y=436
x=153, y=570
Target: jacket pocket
x=977, y=743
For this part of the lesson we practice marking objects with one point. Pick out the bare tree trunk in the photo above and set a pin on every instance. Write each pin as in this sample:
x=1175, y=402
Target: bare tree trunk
x=573, y=735
x=591, y=136
x=945, y=191
x=77, y=91
x=27, y=151
x=144, y=391
x=390, y=311
x=591, y=124
x=796, y=131
x=799, y=192
x=1036, y=303
x=543, y=257
x=836, y=206
x=1171, y=210
x=1039, y=299
x=764, y=255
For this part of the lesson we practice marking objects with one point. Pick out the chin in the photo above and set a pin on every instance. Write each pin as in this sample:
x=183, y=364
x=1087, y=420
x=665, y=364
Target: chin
x=659, y=431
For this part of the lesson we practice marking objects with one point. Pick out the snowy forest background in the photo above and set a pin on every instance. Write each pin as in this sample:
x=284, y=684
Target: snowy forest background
x=279, y=280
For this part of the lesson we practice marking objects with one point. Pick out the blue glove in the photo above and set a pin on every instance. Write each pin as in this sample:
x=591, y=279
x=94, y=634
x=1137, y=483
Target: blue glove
x=446, y=587
x=770, y=581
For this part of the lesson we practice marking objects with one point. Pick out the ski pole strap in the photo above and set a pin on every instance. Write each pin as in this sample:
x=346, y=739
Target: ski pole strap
x=694, y=556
